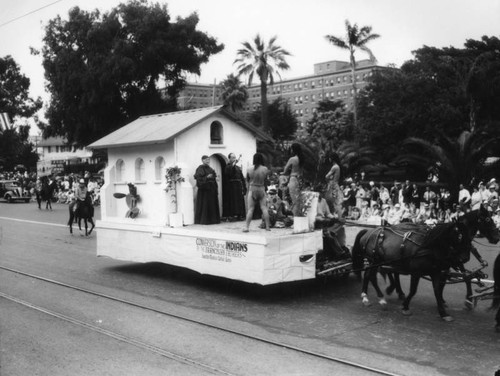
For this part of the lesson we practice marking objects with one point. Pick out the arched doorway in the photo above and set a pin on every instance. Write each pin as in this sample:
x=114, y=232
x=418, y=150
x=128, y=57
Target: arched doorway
x=218, y=162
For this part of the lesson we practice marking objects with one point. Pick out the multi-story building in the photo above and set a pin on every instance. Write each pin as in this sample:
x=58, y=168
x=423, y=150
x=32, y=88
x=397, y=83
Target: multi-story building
x=332, y=80
x=55, y=155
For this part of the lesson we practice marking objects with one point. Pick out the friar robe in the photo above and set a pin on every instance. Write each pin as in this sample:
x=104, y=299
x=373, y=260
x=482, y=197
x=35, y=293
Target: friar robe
x=234, y=194
x=207, y=200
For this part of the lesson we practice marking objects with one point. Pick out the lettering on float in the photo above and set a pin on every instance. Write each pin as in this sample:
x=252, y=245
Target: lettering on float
x=221, y=250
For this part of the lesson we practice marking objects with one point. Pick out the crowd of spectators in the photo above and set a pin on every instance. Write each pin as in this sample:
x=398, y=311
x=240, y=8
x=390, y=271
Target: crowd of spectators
x=65, y=184
x=407, y=202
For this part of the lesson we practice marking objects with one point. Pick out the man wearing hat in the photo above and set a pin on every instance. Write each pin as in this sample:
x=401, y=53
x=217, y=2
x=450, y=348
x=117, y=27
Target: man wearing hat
x=207, y=199
x=80, y=194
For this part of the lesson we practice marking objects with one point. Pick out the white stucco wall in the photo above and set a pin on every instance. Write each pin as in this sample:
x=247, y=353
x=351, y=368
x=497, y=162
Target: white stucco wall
x=184, y=151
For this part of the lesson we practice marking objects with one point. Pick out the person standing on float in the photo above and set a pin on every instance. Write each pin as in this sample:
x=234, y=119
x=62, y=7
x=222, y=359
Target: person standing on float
x=294, y=168
x=257, y=178
x=334, y=193
x=236, y=190
x=207, y=199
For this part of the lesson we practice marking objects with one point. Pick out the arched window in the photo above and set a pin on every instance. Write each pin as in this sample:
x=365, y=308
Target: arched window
x=120, y=170
x=139, y=169
x=159, y=168
x=216, y=133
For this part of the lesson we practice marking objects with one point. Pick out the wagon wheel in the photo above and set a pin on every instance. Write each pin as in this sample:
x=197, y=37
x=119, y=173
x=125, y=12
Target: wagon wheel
x=8, y=198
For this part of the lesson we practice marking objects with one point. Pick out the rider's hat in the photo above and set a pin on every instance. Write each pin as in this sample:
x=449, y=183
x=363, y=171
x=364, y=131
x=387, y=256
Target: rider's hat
x=82, y=181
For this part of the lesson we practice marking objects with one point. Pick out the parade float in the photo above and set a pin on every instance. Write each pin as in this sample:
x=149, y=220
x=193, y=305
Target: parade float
x=144, y=218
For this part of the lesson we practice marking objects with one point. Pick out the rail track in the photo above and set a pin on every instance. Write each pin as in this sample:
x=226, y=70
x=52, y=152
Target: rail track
x=165, y=353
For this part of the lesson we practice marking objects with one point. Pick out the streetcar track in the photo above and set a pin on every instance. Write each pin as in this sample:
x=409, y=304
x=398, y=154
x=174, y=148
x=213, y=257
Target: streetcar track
x=117, y=336
x=198, y=322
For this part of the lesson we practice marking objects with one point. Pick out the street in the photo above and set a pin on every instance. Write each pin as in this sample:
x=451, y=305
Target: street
x=50, y=329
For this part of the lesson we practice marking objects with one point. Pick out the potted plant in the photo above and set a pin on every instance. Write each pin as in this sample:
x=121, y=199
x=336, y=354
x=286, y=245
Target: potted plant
x=173, y=177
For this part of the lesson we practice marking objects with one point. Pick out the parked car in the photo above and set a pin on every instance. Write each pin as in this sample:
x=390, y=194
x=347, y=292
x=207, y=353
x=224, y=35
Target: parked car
x=11, y=191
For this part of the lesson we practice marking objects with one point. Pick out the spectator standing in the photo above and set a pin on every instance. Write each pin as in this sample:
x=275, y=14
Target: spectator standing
x=415, y=196
x=407, y=192
x=464, y=198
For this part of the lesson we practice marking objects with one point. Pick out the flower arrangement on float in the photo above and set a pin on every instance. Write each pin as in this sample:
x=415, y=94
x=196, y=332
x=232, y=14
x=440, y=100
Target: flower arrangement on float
x=173, y=178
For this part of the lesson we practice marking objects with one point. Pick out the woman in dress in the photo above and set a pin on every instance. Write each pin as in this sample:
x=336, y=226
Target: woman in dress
x=294, y=168
x=334, y=193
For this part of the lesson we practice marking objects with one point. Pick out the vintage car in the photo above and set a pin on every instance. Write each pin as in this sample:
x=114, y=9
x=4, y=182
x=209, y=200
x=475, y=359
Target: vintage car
x=11, y=191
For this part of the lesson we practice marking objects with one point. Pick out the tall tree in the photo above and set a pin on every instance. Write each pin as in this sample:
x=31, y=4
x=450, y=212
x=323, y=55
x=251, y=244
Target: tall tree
x=282, y=121
x=355, y=38
x=458, y=160
x=103, y=70
x=234, y=93
x=264, y=61
x=14, y=88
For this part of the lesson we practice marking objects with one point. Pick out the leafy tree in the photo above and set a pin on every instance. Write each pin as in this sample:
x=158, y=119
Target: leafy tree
x=355, y=38
x=234, y=93
x=458, y=160
x=282, y=121
x=103, y=70
x=263, y=60
x=15, y=101
x=14, y=87
x=444, y=91
x=325, y=133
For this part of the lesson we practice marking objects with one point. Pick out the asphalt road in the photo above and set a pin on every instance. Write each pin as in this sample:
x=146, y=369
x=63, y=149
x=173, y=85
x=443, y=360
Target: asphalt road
x=55, y=334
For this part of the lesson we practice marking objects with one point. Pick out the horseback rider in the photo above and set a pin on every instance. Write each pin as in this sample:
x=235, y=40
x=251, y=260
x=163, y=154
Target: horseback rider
x=80, y=194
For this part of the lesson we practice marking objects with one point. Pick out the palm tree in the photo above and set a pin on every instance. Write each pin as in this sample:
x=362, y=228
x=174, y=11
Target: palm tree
x=264, y=61
x=234, y=93
x=356, y=38
x=458, y=161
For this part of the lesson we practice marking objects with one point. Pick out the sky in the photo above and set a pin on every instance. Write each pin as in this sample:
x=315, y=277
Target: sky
x=301, y=26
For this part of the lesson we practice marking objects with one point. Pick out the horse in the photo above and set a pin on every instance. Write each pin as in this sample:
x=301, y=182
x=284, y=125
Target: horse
x=496, y=291
x=412, y=249
x=47, y=192
x=84, y=211
x=477, y=220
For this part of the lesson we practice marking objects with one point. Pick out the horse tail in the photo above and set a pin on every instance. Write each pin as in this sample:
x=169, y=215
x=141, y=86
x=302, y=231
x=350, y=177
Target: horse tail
x=357, y=253
x=496, y=290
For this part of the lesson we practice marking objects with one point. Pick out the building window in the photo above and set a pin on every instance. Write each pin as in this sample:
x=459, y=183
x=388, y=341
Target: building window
x=159, y=168
x=300, y=99
x=120, y=170
x=338, y=80
x=313, y=98
x=327, y=95
x=139, y=169
x=216, y=133
x=306, y=98
x=312, y=84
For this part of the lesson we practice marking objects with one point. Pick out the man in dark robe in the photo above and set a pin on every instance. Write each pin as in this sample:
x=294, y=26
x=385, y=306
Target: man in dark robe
x=234, y=195
x=207, y=200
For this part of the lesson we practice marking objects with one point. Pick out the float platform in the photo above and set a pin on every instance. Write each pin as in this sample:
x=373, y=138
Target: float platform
x=259, y=256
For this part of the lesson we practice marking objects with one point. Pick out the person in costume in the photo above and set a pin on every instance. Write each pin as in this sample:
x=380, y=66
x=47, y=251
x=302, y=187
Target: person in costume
x=207, y=199
x=256, y=177
x=294, y=168
x=234, y=196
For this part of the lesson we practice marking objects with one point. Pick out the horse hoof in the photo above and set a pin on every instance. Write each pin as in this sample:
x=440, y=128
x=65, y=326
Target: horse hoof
x=366, y=302
x=383, y=304
x=468, y=304
x=406, y=312
x=448, y=318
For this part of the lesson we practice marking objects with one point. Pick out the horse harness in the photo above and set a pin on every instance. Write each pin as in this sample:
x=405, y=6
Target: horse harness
x=407, y=236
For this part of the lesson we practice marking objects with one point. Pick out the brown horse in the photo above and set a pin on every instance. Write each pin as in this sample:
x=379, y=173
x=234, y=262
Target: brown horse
x=417, y=250
x=477, y=220
x=84, y=211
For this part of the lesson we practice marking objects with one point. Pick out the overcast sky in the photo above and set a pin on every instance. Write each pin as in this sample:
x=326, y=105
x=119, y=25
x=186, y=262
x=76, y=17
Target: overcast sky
x=404, y=25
